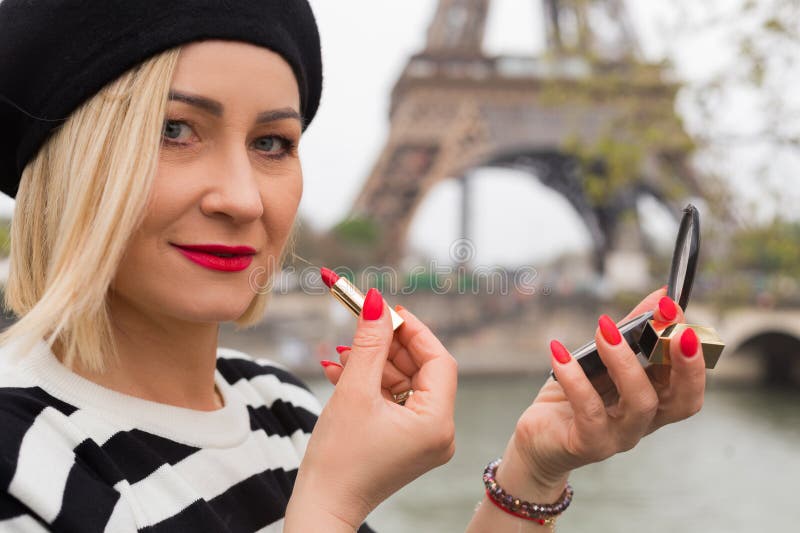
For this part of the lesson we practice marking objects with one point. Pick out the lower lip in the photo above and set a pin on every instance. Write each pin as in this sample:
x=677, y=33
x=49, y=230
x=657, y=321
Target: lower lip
x=214, y=262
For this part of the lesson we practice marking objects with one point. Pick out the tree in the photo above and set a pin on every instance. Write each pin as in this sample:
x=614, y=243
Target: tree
x=743, y=111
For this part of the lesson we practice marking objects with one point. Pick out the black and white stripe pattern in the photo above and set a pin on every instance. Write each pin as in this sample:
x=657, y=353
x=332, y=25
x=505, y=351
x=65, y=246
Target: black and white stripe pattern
x=70, y=462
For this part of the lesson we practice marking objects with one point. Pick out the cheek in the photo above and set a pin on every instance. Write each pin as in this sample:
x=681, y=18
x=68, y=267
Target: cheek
x=278, y=220
x=171, y=193
x=280, y=206
x=147, y=250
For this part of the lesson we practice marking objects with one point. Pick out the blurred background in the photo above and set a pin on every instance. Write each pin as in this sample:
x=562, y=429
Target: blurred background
x=511, y=169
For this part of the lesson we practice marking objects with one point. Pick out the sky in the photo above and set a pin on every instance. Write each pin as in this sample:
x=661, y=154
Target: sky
x=365, y=45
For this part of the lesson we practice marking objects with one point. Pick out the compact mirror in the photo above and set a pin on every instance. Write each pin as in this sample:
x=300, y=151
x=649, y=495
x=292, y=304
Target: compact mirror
x=679, y=288
x=684, y=258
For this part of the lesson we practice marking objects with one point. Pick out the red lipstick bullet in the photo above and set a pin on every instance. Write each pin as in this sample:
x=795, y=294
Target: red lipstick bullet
x=349, y=295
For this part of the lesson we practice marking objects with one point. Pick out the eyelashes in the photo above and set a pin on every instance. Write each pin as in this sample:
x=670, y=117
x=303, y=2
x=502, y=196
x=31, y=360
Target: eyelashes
x=271, y=147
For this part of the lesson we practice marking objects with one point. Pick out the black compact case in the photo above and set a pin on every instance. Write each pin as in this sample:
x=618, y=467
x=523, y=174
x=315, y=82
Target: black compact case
x=650, y=345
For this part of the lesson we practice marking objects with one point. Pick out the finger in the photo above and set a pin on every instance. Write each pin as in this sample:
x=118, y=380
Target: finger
x=590, y=413
x=342, y=348
x=687, y=381
x=667, y=312
x=649, y=303
x=370, y=346
x=332, y=370
x=402, y=359
x=659, y=377
x=420, y=343
x=638, y=399
x=605, y=388
x=438, y=371
x=392, y=379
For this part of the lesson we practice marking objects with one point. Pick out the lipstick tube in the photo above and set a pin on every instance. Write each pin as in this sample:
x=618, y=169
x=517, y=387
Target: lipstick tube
x=655, y=344
x=353, y=299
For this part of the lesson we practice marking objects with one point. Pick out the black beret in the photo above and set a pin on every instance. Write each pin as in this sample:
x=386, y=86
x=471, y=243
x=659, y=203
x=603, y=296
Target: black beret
x=56, y=54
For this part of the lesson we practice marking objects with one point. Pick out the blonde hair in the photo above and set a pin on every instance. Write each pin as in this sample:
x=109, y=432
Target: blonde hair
x=79, y=202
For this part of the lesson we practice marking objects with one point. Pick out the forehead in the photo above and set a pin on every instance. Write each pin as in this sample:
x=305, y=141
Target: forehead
x=236, y=72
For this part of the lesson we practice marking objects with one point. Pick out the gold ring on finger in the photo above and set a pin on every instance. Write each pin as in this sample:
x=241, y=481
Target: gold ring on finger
x=400, y=398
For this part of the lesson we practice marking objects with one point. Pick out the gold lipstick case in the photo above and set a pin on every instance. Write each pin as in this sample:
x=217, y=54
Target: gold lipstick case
x=655, y=345
x=353, y=299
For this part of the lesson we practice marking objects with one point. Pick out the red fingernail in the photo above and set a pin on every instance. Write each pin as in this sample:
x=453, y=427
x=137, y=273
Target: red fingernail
x=689, y=342
x=559, y=352
x=609, y=330
x=340, y=349
x=373, y=305
x=325, y=363
x=399, y=307
x=668, y=308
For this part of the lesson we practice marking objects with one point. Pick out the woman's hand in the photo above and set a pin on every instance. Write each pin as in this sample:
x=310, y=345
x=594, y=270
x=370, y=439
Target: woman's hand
x=365, y=446
x=571, y=424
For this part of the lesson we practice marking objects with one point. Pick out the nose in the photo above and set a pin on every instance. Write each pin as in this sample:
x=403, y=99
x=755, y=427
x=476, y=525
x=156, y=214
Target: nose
x=235, y=192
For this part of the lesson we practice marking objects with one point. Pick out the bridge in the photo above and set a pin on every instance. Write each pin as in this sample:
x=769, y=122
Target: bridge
x=510, y=334
x=769, y=338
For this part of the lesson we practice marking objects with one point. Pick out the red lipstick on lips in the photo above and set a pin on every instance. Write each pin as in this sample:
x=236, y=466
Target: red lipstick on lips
x=218, y=256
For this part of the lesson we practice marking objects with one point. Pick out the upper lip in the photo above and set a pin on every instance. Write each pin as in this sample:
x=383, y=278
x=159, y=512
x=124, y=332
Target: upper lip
x=218, y=248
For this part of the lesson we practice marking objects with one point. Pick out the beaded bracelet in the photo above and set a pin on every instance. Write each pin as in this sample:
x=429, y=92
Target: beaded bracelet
x=541, y=513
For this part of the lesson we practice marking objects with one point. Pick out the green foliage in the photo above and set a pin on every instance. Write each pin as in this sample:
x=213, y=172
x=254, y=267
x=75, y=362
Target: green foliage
x=642, y=135
x=353, y=244
x=358, y=231
x=609, y=165
x=760, y=267
x=422, y=280
x=775, y=25
x=772, y=249
x=759, y=77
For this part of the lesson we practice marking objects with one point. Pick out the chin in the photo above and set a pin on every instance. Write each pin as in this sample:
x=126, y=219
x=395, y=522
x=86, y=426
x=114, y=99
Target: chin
x=213, y=316
x=214, y=309
x=229, y=314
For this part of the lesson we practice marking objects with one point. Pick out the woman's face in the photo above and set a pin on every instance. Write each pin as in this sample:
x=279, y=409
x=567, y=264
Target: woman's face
x=228, y=174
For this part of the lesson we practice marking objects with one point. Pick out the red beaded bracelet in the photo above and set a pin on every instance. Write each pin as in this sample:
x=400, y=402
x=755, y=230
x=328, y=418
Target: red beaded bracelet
x=540, y=513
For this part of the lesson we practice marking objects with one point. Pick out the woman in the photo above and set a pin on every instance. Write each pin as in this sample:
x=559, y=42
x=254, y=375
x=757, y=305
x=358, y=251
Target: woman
x=119, y=411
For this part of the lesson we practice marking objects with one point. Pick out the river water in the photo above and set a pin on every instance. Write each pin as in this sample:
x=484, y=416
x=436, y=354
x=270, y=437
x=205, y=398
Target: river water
x=734, y=467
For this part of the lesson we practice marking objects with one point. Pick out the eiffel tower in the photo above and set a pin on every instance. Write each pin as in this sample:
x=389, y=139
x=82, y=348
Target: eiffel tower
x=587, y=117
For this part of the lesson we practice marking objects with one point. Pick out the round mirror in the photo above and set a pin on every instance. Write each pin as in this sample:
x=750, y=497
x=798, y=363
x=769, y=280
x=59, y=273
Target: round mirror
x=679, y=288
x=684, y=258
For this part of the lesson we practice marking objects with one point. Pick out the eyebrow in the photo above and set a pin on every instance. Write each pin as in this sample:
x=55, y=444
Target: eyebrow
x=217, y=109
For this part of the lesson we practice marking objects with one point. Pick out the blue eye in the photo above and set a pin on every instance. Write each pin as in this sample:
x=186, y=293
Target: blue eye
x=172, y=129
x=271, y=144
x=274, y=147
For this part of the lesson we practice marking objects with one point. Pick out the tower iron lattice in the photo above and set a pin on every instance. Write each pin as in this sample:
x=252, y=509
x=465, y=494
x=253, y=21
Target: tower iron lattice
x=588, y=117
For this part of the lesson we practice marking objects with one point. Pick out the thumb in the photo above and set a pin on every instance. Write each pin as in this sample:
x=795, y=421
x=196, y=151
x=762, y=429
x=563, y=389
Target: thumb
x=371, y=343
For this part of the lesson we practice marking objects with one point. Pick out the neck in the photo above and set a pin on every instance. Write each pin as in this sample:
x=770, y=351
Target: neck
x=160, y=359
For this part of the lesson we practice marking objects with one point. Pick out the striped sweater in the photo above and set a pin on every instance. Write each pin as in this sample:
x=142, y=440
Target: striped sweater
x=75, y=456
